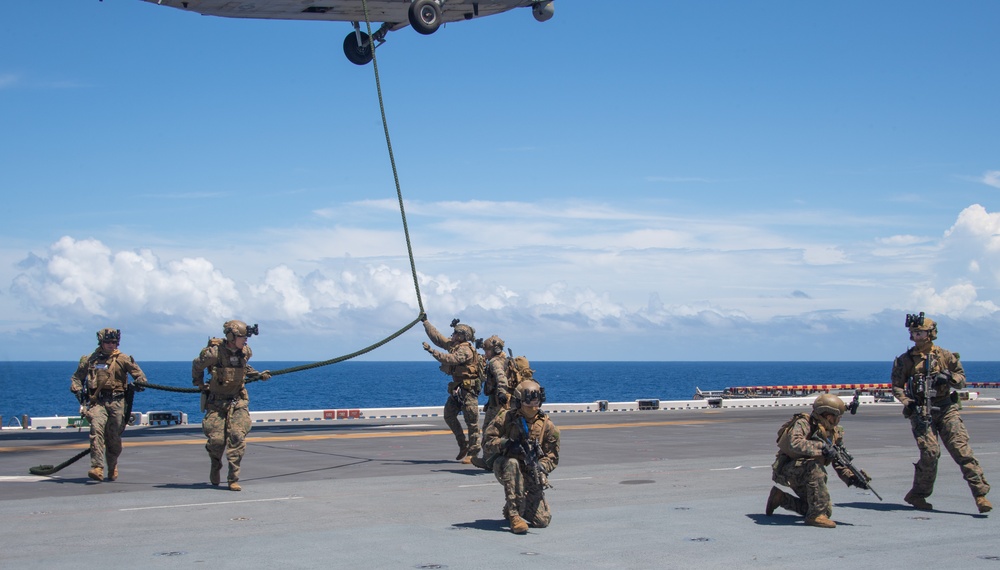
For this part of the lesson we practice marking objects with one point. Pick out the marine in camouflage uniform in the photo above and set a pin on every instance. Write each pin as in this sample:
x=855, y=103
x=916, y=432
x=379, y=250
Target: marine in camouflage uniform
x=495, y=387
x=225, y=399
x=802, y=459
x=462, y=363
x=942, y=374
x=524, y=490
x=100, y=383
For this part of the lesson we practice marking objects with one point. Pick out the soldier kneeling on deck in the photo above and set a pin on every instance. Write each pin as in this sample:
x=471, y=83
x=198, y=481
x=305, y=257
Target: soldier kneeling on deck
x=805, y=448
x=522, y=448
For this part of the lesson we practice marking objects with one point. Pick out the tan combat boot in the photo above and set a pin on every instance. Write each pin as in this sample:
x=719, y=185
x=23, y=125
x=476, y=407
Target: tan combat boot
x=821, y=521
x=468, y=459
x=517, y=525
x=96, y=473
x=774, y=500
x=983, y=504
x=919, y=503
x=114, y=473
x=463, y=450
x=234, y=486
x=479, y=462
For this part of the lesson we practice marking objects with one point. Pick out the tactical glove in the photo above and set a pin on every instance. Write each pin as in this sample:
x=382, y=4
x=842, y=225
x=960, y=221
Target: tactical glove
x=265, y=375
x=942, y=379
x=138, y=387
x=426, y=346
x=909, y=409
x=860, y=482
x=502, y=397
x=828, y=451
x=507, y=444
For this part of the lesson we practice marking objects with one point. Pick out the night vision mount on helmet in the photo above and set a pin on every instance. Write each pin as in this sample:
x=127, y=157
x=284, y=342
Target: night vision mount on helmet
x=109, y=335
x=921, y=323
x=467, y=333
x=233, y=329
x=528, y=391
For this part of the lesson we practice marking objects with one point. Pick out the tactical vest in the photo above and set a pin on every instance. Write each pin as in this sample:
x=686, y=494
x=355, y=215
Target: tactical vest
x=229, y=371
x=939, y=359
x=468, y=372
x=538, y=428
x=105, y=373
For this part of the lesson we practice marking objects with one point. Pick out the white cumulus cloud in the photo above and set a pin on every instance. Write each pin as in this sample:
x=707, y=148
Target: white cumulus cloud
x=614, y=272
x=84, y=277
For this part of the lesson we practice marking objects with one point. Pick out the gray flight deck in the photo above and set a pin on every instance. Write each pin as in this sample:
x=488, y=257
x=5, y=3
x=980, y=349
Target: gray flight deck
x=647, y=489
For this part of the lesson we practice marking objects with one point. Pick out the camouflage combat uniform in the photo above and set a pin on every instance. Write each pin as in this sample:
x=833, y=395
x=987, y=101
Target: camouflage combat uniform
x=495, y=388
x=523, y=494
x=800, y=465
x=945, y=420
x=105, y=377
x=227, y=415
x=462, y=363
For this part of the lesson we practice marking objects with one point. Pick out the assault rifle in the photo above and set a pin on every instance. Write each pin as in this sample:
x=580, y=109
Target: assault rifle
x=919, y=388
x=858, y=477
x=532, y=451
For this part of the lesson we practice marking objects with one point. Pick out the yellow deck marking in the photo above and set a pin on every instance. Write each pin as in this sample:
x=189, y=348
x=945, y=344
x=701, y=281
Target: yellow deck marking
x=365, y=435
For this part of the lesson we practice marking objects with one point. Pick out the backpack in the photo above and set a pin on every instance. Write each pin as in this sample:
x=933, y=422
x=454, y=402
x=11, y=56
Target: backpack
x=517, y=370
x=788, y=425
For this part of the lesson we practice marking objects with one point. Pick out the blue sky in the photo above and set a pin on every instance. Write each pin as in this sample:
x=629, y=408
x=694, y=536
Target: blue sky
x=719, y=180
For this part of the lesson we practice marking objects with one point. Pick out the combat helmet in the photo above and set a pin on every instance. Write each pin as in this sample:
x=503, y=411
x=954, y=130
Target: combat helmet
x=465, y=332
x=234, y=328
x=921, y=323
x=109, y=335
x=493, y=346
x=528, y=391
x=828, y=404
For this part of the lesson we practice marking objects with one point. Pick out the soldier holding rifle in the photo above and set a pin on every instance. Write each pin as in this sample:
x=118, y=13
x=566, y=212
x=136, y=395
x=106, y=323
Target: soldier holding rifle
x=522, y=448
x=925, y=379
x=807, y=443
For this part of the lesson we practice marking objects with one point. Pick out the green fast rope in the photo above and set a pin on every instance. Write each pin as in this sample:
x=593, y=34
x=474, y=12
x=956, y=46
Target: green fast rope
x=49, y=469
x=392, y=160
x=406, y=233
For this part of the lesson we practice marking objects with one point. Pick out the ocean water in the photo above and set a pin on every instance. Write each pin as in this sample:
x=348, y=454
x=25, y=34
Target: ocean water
x=40, y=389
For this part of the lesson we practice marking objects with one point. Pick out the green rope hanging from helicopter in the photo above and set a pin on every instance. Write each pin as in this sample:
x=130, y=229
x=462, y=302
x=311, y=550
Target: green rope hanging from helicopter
x=406, y=233
x=50, y=469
